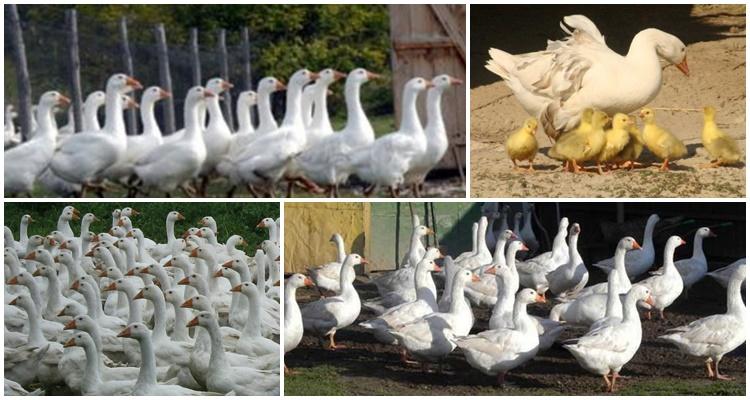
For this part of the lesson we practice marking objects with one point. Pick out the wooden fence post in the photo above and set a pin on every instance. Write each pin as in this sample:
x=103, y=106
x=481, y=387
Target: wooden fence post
x=127, y=61
x=222, y=44
x=247, y=75
x=195, y=57
x=74, y=63
x=165, y=79
x=22, y=72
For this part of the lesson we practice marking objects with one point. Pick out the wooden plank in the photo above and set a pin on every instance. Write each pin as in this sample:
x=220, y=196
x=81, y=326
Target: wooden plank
x=22, y=72
x=247, y=72
x=165, y=78
x=446, y=19
x=405, y=45
x=224, y=65
x=127, y=62
x=195, y=57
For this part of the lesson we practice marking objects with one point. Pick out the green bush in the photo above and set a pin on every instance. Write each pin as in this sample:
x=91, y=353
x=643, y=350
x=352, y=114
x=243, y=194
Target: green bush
x=231, y=218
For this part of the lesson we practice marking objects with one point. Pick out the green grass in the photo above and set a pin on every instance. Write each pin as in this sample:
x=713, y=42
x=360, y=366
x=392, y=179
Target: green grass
x=321, y=380
x=674, y=387
x=231, y=218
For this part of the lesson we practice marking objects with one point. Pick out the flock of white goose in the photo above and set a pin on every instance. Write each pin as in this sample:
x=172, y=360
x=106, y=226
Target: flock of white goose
x=118, y=313
x=303, y=150
x=428, y=328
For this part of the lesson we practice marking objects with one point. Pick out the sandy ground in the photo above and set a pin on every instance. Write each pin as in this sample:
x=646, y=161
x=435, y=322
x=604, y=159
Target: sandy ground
x=366, y=367
x=717, y=78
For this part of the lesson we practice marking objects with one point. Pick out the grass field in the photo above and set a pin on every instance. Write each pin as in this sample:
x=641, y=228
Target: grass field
x=231, y=218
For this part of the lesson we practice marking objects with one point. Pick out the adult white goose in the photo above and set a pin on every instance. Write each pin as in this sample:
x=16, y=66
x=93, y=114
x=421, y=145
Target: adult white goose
x=605, y=350
x=484, y=292
x=146, y=384
x=714, y=336
x=694, y=268
x=326, y=276
x=402, y=279
x=428, y=338
x=251, y=342
x=437, y=137
x=320, y=125
x=245, y=132
x=482, y=255
x=574, y=73
x=495, y=352
x=149, y=139
x=293, y=328
x=25, y=162
x=637, y=262
x=533, y=272
x=85, y=155
x=93, y=383
x=226, y=378
x=474, y=243
x=267, y=160
x=172, y=164
x=589, y=304
x=388, y=158
x=507, y=282
x=217, y=136
x=666, y=288
x=325, y=316
x=327, y=162
x=570, y=278
x=426, y=303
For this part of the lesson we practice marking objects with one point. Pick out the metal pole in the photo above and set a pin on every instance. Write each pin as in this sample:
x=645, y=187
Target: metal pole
x=127, y=61
x=165, y=79
x=22, y=72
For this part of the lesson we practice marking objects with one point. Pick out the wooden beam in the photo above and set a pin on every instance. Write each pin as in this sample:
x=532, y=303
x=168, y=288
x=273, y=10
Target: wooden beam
x=457, y=35
x=22, y=72
x=127, y=62
x=403, y=45
x=165, y=78
x=224, y=64
x=74, y=63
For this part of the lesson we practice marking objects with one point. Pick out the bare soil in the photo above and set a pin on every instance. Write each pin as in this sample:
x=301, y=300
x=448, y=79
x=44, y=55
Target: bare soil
x=367, y=367
x=717, y=67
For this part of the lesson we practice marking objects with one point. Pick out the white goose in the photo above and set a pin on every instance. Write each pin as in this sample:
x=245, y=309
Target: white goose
x=327, y=162
x=388, y=158
x=325, y=316
x=326, y=276
x=694, y=268
x=25, y=162
x=401, y=280
x=293, y=328
x=495, y=352
x=87, y=154
x=605, y=350
x=714, y=336
x=218, y=135
x=666, y=288
x=574, y=73
x=570, y=278
x=436, y=135
x=172, y=164
x=533, y=272
x=91, y=111
x=637, y=262
x=724, y=274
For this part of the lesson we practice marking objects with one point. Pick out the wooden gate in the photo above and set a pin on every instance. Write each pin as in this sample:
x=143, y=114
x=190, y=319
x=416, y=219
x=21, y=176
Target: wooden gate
x=428, y=40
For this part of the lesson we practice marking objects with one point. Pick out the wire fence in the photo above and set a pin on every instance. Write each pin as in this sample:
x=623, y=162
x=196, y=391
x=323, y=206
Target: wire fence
x=101, y=55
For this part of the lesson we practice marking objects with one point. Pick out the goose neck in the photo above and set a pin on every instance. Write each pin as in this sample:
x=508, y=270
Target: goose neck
x=669, y=266
x=150, y=126
x=23, y=232
x=170, y=232
x=642, y=53
x=90, y=117
x=435, y=125
x=252, y=326
x=160, y=317
x=46, y=126
x=243, y=117
x=193, y=130
x=340, y=250
x=499, y=257
x=320, y=117
x=425, y=286
x=648, y=236
x=36, y=338
x=147, y=373
x=293, y=115
x=180, y=331
x=409, y=117
x=735, y=306
x=267, y=121
x=629, y=308
x=92, y=374
x=356, y=119
x=114, y=123
x=698, y=247
x=521, y=319
x=217, y=361
x=457, y=296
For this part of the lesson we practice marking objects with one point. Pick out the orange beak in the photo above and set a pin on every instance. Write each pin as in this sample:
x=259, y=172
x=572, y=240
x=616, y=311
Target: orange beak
x=13, y=281
x=277, y=283
x=193, y=322
x=237, y=288
x=76, y=285
x=280, y=85
x=187, y=304
x=475, y=278
x=456, y=82
x=63, y=246
x=184, y=281
x=437, y=268
x=61, y=313
x=37, y=273
x=139, y=295
x=540, y=298
x=636, y=246
x=650, y=301
x=70, y=343
x=124, y=333
x=63, y=101
x=30, y=256
x=206, y=93
x=227, y=264
x=261, y=224
x=372, y=75
x=70, y=325
x=308, y=281
x=132, y=82
x=194, y=253
x=218, y=274
x=168, y=263
x=180, y=217
x=110, y=287
x=682, y=241
x=523, y=247
x=338, y=75
x=13, y=302
x=131, y=272
x=102, y=274
x=683, y=67
x=491, y=270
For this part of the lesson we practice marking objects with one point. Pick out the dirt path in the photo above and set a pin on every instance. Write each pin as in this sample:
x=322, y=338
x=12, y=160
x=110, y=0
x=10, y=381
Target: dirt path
x=367, y=367
x=717, y=78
